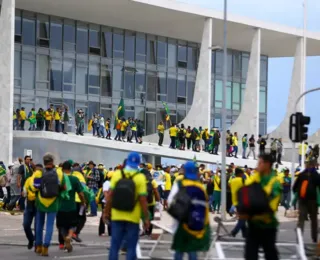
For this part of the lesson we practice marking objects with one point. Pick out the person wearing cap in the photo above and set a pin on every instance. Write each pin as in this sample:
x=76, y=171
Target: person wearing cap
x=93, y=182
x=125, y=225
x=306, y=186
x=194, y=235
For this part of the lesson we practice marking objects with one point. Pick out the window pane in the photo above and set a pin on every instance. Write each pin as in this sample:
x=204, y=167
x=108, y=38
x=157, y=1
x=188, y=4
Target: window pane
x=29, y=31
x=56, y=35
x=182, y=56
x=93, y=108
x=140, y=81
x=172, y=89
x=218, y=90
x=106, y=83
x=17, y=24
x=129, y=46
x=162, y=85
x=28, y=74
x=43, y=27
x=172, y=55
x=162, y=53
x=192, y=58
x=17, y=64
x=140, y=113
x=151, y=52
x=181, y=114
x=129, y=84
x=107, y=44
x=117, y=81
x=82, y=39
x=69, y=34
x=229, y=63
x=245, y=65
x=140, y=49
x=237, y=64
x=263, y=71
x=191, y=86
x=151, y=86
x=228, y=98
x=150, y=123
x=43, y=68
x=117, y=45
x=219, y=62
x=236, y=93
x=94, y=75
x=81, y=80
x=94, y=38
x=69, y=71
x=182, y=86
x=56, y=75
x=262, y=103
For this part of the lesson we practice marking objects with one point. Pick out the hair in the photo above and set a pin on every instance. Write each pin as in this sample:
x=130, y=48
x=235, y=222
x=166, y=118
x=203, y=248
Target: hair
x=267, y=157
x=238, y=171
x=76, y=164
x=39, y=165
x=66, y=166
x=26, y=157
x=48, y=158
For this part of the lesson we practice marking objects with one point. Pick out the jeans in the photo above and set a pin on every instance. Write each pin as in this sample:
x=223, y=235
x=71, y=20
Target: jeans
x=134, y=134
x=217, y=200
x=310, y=208
x=108, y=134
x=241, y=225
x=57, y=126
x=13, y=202
x=235, y=150
x=80, y=129
x=216, y=149
x=244, y=152
x=160, y=138
x=211, y=199
x=252, y=149
x=32, y=127
x=94, y=129
x=28, y=216
x=40, y=218
x=47, y=125
x=286, y=200
x=101, y=131
x=123, y=230
x=93, y=204
x=179, y=255
x=118, y=135
x=173, y=142
x=15, y=124
x=22, y=125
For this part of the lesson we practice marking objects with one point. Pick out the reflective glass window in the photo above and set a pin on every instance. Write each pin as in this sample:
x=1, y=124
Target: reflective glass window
x=129, y=84
x=172, y=88
x=43, y=68
x=117, y=81
x=236, y=93
x=162, y=53
x=162, y=86
x=229, y=63
x=172, y=55
x=29, y=30
x=56, y=34
x=17, y=23
x=219, y=62
x=151, y=51
x=106, y=43
x=43, y=27
x=151, y=86
x=192, y=58
x=264, y=71
x=94, y=40
x=218, y=90
x=245, y=65
x=81, y=80
x=182, y=86
x=69, y=34
x=28, y=74
x=140, y=113
x=228, y=98
x=93, y=108
x=140, y=82
x=141, y=49
x=82, y=39
x=237, y=64
x=69, y=71
x=181, y=114
x=56, y=75
x=262, y=102
x=94, y=75
x=150, y=123
x=17, y=64
x=191, y=86
x=117, y=45
x=106, y=83
x=182, y=56
x=129, y=46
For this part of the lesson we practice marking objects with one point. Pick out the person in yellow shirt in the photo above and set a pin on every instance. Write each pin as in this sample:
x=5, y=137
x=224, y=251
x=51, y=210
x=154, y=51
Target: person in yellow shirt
x=302, y=153
x=167, y=187
x=108, y=130
x=23, y=118
x=173, y=132
x=124, y=221
x=160, y=133
x=188, y=137
x=235, y=144
x=48, y=118
x=57, y=118
x=216, y=191
x=123, y=128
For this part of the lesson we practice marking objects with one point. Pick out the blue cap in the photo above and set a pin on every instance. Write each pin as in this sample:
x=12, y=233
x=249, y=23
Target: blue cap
x=190, y=171
x=133, y=160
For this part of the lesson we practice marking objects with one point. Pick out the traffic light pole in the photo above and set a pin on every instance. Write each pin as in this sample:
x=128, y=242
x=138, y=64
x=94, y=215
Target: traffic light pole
x=293, y=144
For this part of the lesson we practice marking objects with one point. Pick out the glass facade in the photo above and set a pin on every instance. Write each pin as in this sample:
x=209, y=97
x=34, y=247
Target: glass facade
x=89, y=66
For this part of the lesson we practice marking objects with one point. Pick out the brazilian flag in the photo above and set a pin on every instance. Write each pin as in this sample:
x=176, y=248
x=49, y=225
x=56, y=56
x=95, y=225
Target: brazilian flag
x=120, y=112
x=166, y=108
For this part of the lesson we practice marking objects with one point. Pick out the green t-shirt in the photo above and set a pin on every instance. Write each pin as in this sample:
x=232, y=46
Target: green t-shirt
x=70, y=205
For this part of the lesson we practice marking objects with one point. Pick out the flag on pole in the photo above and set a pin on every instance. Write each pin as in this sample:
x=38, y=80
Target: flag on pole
x=166, y=108
x=120, y=112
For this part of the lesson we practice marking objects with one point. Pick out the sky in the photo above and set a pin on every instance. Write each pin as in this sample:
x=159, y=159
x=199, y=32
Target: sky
x=290, y=13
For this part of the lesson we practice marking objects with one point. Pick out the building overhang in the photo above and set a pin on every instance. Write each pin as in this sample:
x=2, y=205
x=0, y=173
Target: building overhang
x=177, y=20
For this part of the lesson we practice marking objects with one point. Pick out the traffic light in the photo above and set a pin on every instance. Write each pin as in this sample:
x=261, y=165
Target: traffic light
x=298, y=130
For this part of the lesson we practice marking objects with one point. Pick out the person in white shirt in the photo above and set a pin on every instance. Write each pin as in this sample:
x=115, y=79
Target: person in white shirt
x=104, y=192
x=101, y=126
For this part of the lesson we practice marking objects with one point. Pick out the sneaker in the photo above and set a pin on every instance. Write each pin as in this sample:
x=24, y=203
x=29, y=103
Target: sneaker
x=68, y=244
x=38, y=250
x=61, y=246
x=76, y=238
x=45, y=251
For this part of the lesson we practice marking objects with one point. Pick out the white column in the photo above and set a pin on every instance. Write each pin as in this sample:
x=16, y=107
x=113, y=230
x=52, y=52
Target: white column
x=7, y=17
x=282, y=131
x=248, y=120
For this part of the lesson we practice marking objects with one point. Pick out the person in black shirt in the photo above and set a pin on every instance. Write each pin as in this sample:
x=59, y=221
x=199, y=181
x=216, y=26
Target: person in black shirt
x=262, y=144
x=25, y=171
x=210, y=191
x=252, y=147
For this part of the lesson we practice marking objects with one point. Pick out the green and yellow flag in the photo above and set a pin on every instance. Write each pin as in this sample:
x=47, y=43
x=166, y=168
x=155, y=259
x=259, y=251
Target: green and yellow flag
x=166, y=108
x=120, y=112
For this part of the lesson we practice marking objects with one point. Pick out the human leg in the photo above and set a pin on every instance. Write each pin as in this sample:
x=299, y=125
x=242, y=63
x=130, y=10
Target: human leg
x=49, y=228
x=118, y=233
x=132, y=236
x=40, y=217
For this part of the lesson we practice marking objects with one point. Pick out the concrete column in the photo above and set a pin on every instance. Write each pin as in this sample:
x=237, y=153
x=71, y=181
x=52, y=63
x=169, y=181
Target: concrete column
x=248, y=120
x=282, y=131
x=7, y=17
x=200, y=111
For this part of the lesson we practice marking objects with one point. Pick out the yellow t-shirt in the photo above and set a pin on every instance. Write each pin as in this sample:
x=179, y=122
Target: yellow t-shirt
x=167, y=184
x=235, y=141
x=179, y=177
x=161, y=129
x=56, y=116
x=216, y=182
x=235, y=184
x=141, y=190
x=48, y=115
x=124, y=126
x=23, y=115
x=305, y=149
x=173, y=131
x=188, y=134
x=27, y=188
x=154, y=186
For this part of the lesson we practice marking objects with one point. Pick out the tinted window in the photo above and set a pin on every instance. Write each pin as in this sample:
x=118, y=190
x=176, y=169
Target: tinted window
x=172, y=55
x=28, y=74
x=94, y=75
x=117, y=81
x=81, y=80
x=140, y=81
x=129, y=84
x=56, y=35
x=172, y=89
x=29, y=31
x=162, y=86
x=140, y=49
x=43, y=68
x=151, y=52
x=69, y=71
x=129, y=46
x=69, y=33
x=262, y=103
x=106, y=83
x=162, y=53
x=56, y=75
x=117, y=45
x=94, y=38
x=17, y=64
x=191, y=85
x=151, y=86
x=107, y=44
x=192, y=58
x=17, y=23
x=182, y=86
x=82, y=40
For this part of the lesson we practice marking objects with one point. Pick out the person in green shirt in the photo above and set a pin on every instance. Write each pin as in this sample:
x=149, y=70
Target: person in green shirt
x=244, y=146
x=68, y=215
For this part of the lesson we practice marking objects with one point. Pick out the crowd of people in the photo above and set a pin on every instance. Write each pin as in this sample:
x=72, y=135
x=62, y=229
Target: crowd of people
x=131, y=192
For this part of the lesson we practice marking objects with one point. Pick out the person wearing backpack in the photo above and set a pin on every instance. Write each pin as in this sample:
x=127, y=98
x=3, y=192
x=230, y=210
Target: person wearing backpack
x=188, y=198
x=306, y=186
x=48, y=186
x=182, y=137
x=126, y=201
x=257, y=202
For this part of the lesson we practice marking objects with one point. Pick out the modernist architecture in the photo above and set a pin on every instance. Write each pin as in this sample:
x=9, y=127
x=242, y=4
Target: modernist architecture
x=89, y=54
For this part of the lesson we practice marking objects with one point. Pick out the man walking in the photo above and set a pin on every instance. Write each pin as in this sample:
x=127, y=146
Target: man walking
x=173, y=132
x=93, y=181
x=25, y=171
x=160, y=133
x=252, y=147
x=244, y=146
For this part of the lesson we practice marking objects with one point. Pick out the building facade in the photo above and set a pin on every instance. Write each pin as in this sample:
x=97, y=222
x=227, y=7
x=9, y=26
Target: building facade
x=58, y=61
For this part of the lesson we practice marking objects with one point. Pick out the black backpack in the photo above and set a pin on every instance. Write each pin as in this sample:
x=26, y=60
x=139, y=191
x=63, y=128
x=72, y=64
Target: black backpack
x=182, y=133
x=253, y=200
x=124, y=194
x=49, y=187
x=180, y=207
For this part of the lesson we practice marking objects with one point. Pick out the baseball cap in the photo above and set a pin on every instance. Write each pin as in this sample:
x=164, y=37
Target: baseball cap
x=133, y=160
x=190, y=170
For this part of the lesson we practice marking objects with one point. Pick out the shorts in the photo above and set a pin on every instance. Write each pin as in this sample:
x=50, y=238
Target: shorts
x=166, y=194
x=67, y=220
